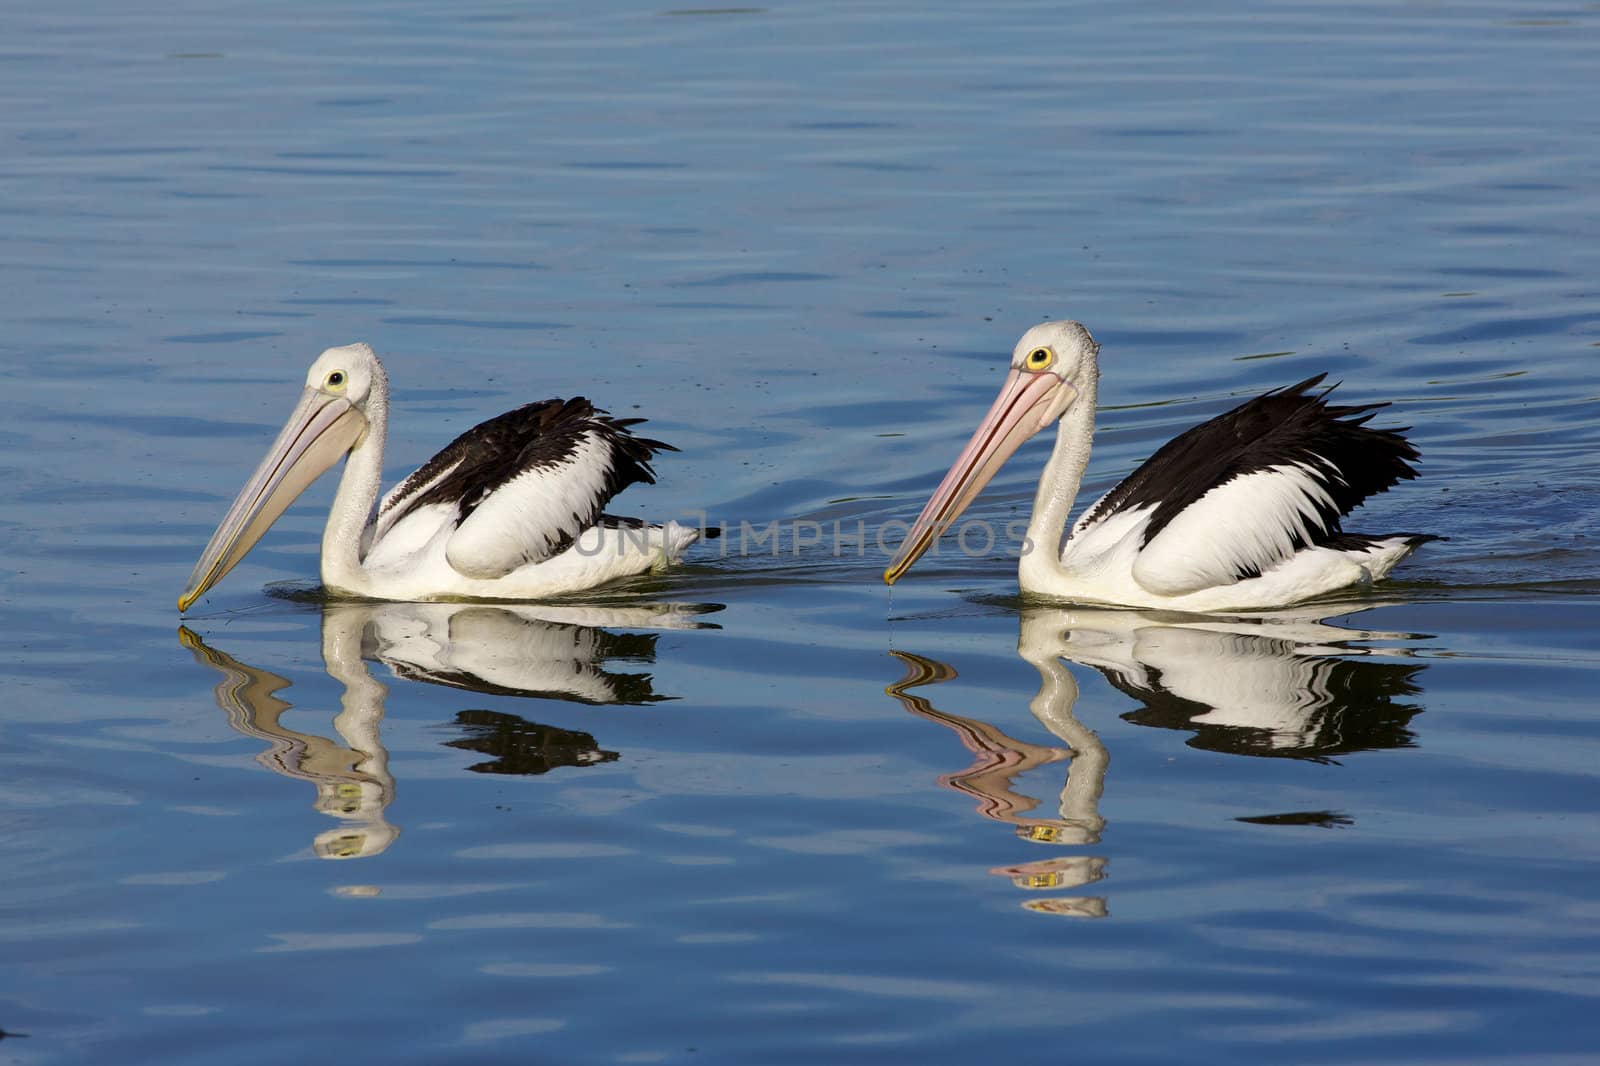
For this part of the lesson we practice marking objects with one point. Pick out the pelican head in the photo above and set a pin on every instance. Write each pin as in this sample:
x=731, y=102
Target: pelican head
x=1051, y=367
x=329, y=421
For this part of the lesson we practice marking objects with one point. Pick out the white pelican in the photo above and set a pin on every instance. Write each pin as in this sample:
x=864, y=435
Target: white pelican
x=1237, y=513
x=511, y=510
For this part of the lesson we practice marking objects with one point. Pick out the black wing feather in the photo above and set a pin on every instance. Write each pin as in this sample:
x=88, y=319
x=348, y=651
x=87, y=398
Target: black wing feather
x=535, y=435
x=1286, y=426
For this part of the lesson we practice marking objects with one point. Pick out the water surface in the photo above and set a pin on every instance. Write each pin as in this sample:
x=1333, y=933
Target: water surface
x=756, y=810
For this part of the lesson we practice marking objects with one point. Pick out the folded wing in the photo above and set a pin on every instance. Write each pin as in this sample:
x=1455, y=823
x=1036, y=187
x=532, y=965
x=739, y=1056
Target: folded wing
x=518, y=488
x=1236, y=496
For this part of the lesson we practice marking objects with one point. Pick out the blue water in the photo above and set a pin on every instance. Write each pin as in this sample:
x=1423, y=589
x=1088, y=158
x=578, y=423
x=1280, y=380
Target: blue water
x=755, y=810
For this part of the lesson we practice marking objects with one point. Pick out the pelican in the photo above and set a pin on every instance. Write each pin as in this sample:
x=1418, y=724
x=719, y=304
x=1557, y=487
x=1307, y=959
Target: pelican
x=1237, y=513
x=511, y=510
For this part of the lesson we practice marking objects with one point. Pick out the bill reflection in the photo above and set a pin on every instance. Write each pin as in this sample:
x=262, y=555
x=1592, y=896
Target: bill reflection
x=998, y=759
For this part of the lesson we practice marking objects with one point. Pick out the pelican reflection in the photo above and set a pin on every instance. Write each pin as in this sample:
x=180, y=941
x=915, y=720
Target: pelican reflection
x=550, y=652
x=1272, y=684
x=1277, y=684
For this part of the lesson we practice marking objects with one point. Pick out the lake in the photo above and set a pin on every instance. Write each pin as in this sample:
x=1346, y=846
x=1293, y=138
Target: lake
x=756, y=809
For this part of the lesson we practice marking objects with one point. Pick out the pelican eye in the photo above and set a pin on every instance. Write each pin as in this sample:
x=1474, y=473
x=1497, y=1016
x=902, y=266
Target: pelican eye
x=1039, y=359
x=336, y=380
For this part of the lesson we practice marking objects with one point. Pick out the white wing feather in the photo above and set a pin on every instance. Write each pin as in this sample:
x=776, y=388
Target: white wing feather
x=410, y=534
x=1243, y=527
x=390, y=538
x=534, y=515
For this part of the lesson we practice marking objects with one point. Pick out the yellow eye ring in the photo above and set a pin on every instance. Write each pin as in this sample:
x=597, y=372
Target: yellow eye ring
x=1039, y=359
x=336, y=381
